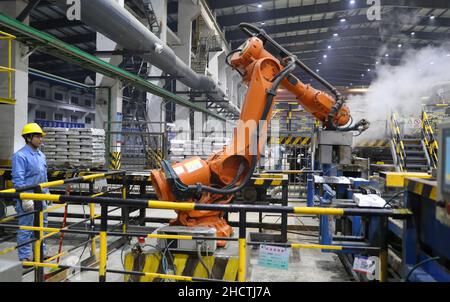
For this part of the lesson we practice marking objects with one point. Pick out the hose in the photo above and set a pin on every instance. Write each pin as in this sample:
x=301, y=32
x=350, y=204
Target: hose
x=418, y=265
x=200, y=258
x=227, y=60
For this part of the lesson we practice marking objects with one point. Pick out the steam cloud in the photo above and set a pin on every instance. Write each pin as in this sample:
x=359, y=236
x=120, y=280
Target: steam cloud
x=402, y=88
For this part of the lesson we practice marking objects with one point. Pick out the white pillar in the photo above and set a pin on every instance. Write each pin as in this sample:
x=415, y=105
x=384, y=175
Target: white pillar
x=155, y=103
x=102, y=97
x=13, y=117
x=187, y=11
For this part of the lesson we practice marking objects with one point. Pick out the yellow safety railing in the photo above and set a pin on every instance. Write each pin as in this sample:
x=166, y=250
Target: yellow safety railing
x=429, y=139
x=397, y=141
x=8, y=69
x=102, y=234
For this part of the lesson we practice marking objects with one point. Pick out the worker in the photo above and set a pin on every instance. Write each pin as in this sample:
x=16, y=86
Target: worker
x=28, y=168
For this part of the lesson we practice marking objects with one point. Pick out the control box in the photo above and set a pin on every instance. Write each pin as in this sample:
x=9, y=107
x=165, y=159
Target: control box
x=185, y=245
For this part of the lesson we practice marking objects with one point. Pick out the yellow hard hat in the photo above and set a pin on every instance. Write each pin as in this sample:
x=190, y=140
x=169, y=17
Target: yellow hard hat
x=32, y=128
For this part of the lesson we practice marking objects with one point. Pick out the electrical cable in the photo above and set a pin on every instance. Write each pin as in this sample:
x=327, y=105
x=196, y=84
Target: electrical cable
x=200, y=258
x=227, y=60
x=418, y=265
x=303, y=234
x=392, y=198
x=85, y=225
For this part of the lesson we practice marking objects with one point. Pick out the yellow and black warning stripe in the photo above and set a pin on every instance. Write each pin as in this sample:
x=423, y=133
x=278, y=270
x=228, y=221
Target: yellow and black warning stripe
x=264, y=182
x=115, y=160
x=154, y=157
x=423, y=189
x=290, y=140
x=187, y=267
x=378, y=143
x=6, y=173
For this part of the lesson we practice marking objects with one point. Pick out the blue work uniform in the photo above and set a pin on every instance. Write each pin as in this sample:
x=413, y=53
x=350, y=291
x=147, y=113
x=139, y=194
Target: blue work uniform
x=28, y=168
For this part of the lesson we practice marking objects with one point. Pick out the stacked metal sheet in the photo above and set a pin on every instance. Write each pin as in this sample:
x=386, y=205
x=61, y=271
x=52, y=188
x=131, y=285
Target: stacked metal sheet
x=81, y=147
x=203, y=147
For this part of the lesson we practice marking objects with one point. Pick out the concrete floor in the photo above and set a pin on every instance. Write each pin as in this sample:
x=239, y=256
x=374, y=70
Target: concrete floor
x=304, y=265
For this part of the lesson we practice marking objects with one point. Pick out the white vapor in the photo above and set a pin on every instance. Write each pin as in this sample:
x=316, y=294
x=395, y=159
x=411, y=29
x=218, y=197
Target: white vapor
x=401, y=88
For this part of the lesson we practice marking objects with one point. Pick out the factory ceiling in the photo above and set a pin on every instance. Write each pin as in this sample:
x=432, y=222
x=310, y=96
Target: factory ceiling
x=337, y=38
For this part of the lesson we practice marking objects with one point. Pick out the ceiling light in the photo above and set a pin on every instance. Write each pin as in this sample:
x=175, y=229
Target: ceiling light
x=386, y=55
x=320, y=63
x=368, y=70
x=362, y=75
x=329, y=46
x=343, y=20
x=400, y=45
x=325, y=56
x=413, y=33
x=432, y=17
x=377, y=62
x=352, y=2
x=335, y=35
x=317, y=70
x=431, y=63
x=448, y=55
x=263, y=23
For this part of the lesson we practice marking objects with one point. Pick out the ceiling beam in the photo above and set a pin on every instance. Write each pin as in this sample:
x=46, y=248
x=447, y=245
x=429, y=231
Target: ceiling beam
x=353, y=33
x=219, y=4
x=237, y=34
x=80, y=39
x=55, y=24
x=334, y=7
x=355, y=42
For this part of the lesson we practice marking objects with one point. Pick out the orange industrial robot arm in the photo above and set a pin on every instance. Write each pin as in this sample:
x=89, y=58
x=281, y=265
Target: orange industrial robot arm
x=216, y=179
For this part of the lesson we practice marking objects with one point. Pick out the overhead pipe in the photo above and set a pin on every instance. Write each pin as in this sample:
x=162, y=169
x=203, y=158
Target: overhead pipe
x=119, y=25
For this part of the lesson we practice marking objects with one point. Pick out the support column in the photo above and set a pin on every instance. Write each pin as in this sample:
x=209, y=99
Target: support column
x=187, y=11
x=109, y=101
x=13, y=117
x=155, y=107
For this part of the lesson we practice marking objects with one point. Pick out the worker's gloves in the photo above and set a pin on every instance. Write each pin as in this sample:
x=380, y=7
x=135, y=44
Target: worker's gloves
x=27, y=205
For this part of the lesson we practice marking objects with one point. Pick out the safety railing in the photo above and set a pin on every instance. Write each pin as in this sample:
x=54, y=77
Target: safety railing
x=430, y=141
x=103, y=232
x=39, y=212
x=8, y=69
x=397, y=141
